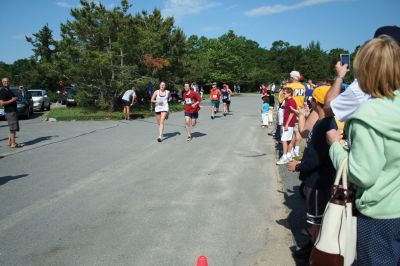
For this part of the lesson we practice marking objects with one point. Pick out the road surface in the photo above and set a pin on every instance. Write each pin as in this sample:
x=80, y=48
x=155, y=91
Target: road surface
x=106, y=193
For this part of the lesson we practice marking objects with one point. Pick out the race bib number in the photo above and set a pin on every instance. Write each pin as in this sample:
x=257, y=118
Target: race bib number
x=188, y=101
x=215, y=97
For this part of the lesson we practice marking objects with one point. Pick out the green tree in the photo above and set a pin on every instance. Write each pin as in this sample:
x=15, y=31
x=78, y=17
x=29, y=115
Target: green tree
x=95, y=51
x=44, y=45
x=4, y=70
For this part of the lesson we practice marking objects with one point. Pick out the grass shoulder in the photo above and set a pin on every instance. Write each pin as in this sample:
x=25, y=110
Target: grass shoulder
x=92, y=113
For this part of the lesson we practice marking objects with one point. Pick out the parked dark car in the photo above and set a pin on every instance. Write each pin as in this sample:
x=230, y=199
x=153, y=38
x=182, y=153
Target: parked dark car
x=24, y=102
x=67, y=96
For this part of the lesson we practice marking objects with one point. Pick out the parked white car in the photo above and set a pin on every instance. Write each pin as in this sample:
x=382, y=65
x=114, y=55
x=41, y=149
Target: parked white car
x=40, y=100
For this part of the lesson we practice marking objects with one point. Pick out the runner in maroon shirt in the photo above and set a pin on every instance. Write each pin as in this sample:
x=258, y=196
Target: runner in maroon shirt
x=191, y=100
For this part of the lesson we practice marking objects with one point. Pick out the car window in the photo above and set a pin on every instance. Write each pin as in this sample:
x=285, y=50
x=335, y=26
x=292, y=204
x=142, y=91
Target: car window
x=36, y=93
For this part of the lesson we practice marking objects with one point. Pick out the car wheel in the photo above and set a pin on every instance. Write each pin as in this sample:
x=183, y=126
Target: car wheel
x=28, y=113
x=42, y=107
x=48, y=107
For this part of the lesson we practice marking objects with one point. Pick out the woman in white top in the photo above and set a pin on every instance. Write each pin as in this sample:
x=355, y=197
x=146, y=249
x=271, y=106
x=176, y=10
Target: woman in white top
x=161, y=98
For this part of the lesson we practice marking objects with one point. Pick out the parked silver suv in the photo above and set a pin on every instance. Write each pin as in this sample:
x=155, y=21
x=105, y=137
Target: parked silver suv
x=40, y=100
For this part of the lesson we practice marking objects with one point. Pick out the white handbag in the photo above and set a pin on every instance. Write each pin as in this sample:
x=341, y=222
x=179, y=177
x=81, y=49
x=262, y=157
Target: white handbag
x=336, y=241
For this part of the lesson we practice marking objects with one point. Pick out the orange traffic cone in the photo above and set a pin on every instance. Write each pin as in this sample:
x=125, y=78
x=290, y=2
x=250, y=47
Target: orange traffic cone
x=202, y=261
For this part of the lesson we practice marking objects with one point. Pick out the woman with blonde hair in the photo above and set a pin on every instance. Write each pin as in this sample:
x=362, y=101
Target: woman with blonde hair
x=373, y=134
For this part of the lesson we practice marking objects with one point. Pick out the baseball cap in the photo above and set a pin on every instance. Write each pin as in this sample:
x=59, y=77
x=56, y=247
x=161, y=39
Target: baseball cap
x=295, y=75
x=392, y=31
x=320, y=92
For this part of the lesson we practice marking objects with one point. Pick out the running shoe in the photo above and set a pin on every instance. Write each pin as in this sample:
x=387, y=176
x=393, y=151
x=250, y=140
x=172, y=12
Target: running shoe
x=159, y=139
x=189, y=138
x=282, y=160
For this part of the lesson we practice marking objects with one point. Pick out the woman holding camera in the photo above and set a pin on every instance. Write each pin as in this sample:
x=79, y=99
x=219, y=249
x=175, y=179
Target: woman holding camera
x=373, y=133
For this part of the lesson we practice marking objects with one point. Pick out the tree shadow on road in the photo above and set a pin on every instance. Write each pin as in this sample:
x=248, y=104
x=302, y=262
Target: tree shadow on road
x=6, y=179
x=37, y=140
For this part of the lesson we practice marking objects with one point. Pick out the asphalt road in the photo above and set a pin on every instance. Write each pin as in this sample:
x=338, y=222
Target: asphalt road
x=106, y=193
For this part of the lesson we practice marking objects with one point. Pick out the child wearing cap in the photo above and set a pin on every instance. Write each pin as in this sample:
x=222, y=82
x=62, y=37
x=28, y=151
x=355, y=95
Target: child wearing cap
x=316, y=168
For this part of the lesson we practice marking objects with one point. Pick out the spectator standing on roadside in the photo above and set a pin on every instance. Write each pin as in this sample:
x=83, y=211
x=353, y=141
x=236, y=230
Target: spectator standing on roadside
x=299, y=92
x=273, y=87
x=309, y=90
x=316, y=168
x=128, y=99
x=346, y=103
x=150, y=90
x=264, y=89
x=201, y=92
x=265, y=111
x=9, y=101
x=289, y=121
x=373, y=132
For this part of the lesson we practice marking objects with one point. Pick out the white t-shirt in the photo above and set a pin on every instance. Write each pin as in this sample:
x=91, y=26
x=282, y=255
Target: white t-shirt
x=348, y=101
x=128, y=95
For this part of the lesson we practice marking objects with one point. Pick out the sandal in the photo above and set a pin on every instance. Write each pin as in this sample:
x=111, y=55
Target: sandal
x=17, y=145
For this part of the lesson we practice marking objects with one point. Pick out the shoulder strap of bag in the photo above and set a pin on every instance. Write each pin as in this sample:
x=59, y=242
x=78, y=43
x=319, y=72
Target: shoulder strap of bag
x=341, y=175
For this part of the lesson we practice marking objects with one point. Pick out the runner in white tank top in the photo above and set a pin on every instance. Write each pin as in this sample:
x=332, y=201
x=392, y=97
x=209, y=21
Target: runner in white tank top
x=161, y=98
x=162, y=102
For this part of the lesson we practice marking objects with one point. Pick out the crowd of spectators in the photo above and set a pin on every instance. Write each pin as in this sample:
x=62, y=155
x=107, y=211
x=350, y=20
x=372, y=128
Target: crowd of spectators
x=361, y=123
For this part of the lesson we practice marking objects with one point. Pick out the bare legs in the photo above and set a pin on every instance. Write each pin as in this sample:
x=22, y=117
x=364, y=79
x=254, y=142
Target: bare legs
x=126, y=112
x=160, y=117
x=189, y=122
x=225, y=108
x=11, y=138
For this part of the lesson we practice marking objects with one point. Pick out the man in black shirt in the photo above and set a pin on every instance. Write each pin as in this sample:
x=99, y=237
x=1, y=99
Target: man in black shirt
x=9, y=101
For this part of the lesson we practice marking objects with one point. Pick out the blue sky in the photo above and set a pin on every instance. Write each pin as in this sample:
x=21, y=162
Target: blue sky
x=335, y=23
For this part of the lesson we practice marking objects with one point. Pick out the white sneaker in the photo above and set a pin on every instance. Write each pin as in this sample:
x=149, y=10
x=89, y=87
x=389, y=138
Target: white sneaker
x=282, y=160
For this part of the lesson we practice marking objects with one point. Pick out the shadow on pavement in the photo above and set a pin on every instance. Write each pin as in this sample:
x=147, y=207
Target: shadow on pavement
x=296, y=219
x=171, y=135
x=37, y=140
x=137, y=116
x=198, y=134
x=6, y=179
